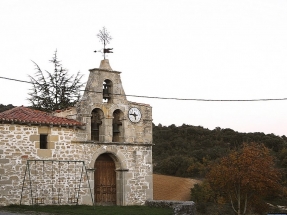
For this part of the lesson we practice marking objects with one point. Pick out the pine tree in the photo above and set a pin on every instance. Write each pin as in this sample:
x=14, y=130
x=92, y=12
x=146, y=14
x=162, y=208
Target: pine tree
x=54, y=90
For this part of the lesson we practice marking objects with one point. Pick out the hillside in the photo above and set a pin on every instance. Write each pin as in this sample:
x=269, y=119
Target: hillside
x=172, y=188
x=187, y=151
x=190, y=151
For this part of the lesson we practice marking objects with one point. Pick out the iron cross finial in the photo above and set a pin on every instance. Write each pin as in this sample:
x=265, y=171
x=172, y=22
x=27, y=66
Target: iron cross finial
x=105, y=38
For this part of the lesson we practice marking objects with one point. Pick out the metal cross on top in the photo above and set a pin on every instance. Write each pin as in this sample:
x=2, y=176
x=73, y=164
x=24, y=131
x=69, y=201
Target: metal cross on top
x=105, y=38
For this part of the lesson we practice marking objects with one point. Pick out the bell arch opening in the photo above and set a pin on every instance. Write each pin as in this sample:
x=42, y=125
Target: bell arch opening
x=107, y=91
x=96, y=124
x=118, y=131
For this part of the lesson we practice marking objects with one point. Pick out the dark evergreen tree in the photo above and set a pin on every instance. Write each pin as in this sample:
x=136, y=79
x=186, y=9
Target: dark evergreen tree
x=5, y=107
x=54, y=90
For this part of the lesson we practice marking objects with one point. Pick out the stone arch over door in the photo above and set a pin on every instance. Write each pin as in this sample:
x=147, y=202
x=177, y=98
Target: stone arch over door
x=120, y=170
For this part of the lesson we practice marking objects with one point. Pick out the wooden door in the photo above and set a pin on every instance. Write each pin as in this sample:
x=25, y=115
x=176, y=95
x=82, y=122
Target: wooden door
x=105, y=180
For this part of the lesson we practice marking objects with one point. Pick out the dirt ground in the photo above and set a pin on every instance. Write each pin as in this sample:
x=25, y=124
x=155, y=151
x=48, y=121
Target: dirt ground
x=172, y=188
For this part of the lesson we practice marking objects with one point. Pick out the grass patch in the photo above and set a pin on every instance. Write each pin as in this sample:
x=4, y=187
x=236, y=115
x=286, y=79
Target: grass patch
x=89, y=210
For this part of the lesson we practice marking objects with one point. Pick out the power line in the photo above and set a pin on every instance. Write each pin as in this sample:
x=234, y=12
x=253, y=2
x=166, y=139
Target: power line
x=170, y=98
x=11, y=79
x=203, y=100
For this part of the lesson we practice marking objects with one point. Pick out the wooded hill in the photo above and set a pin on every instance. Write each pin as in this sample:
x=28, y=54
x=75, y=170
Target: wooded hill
x=187, y=150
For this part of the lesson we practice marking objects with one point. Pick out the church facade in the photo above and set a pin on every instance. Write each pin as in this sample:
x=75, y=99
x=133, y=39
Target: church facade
x=97, y=152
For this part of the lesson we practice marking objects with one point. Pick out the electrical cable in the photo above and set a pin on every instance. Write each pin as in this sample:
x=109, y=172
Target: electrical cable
x=179, y=99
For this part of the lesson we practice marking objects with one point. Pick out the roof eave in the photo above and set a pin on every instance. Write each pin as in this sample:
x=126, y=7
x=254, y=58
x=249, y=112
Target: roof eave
x=22, y=122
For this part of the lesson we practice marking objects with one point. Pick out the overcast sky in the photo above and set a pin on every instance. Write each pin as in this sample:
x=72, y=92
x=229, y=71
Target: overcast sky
x=191, y=49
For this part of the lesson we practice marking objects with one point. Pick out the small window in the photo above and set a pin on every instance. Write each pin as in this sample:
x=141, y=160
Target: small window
x=43, y=141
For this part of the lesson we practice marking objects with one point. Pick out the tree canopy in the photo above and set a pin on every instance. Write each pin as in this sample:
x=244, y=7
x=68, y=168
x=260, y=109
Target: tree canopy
x=6, y=107
x=54, y=90
x=245, y=174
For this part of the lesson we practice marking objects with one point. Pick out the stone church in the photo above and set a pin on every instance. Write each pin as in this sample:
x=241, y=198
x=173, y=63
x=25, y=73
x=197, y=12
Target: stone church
x=98, y=152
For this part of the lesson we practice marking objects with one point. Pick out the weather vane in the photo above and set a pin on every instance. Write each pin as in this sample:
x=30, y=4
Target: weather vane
x=105, y=38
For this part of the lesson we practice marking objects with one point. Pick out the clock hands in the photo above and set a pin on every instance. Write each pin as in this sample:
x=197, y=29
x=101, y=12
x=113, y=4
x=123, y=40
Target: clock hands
x=134, y=114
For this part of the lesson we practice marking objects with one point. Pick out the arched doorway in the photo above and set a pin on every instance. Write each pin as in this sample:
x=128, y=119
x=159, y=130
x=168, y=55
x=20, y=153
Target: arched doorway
x=105, y=180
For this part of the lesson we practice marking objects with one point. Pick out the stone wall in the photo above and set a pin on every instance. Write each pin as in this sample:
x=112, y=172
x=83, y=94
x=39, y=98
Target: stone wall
x=20, y=143
x=179, y=207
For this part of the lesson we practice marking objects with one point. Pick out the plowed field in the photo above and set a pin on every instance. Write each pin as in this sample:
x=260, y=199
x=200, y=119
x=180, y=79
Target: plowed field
x=172, y=188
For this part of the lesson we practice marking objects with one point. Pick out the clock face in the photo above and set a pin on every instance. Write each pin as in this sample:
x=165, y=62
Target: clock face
x=134, y=115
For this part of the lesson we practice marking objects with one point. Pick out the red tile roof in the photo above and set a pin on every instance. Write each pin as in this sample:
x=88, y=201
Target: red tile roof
x=24, y=115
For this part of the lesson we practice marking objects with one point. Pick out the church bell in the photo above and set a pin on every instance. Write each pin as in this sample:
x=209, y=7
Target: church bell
x=106, y=91
x=95, y=127
x=116, y=128
x=106, y=94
